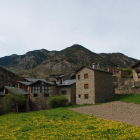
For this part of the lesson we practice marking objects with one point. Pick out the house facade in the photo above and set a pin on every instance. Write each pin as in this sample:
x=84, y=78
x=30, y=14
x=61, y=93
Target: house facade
x=118, y=72
x=93, y=85
x=41, y=90
x=136, y=72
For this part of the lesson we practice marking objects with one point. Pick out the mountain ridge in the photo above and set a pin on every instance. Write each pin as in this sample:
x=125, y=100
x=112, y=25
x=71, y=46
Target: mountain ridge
x=44, y=63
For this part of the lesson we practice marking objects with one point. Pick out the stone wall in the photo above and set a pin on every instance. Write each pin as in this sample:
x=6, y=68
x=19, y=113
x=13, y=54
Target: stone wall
x=70, y=92
x=103, y=86
x=135, y=76
x=124, y=74
x=128, y=90
x=80, y=90
x=40, y=102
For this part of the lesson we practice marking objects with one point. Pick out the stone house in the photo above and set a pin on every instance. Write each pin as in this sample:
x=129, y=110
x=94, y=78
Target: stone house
x=68, y=88
x=7, y=89
x=41, y=90
x=118, y=72
x=136, y=72
x=93, y=85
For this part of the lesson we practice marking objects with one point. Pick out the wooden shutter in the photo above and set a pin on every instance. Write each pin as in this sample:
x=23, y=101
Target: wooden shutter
x=86, y=86
x=86, y=75
x=86, y=96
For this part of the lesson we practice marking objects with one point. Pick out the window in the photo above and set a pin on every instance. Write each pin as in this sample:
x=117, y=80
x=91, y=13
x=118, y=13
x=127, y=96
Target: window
x=138, y=75
x=46, y=95
x=46, y=89
x=86, y=96
x=64, y=92
x=35, y=89
x=86, y=75
x=35, y=95
x=86, y=86
x=79, y=95
x=78, y=76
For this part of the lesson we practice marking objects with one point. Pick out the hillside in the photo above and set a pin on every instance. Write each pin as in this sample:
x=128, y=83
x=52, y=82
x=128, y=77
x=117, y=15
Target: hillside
x=29, y=61
x=7, y=77
x=119, y=59
x=69, y=60
x=43, y=63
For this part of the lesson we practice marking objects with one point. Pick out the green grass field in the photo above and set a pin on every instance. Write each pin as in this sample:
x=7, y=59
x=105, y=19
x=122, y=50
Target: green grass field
x=64, y=124
x=129, y=98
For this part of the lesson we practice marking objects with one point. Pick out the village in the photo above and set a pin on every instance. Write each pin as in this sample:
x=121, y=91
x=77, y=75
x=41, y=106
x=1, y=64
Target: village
x=88, y=85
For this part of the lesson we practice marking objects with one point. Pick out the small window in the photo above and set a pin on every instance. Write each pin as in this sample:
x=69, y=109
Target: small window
x=35, y=95
x=35, y=89
x=46, y=89
x=64, y=92
x=46, y=95
x=86, y=75
x=78, y=76
x=79, y=95
x=86, y=86
x=138, y=75
x=86, y=96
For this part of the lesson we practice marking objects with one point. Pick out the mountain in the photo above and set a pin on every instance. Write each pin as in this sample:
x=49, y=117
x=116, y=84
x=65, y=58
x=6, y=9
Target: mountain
x=7, y=77
x=119, y=59
x=4, y=61
x=69, y=60
x=44, y=63
x=28, y=61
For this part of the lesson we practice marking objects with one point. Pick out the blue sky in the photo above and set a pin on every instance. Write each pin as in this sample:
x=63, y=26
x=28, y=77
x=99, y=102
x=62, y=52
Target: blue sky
x=100, y=25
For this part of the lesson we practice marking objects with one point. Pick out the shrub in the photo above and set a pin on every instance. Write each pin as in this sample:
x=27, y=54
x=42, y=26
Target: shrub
x=57, y=101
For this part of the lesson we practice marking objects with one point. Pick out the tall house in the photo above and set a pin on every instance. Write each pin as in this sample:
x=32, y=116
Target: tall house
x=93, y=85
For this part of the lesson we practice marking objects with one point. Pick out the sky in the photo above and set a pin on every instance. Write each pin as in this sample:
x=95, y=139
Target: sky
x=102, y=26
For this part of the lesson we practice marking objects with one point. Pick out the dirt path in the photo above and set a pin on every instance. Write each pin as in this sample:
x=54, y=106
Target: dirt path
x=116, y=111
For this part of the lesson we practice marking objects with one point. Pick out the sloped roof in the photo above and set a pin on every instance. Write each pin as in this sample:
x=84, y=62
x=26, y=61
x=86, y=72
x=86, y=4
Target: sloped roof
x=25, y=83
x=67, y=83
x=16, y=90
x=135, y=65
x=92, y=69
x=34, y=79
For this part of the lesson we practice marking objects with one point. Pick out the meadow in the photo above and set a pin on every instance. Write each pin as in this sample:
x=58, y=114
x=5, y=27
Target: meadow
x=63, y=124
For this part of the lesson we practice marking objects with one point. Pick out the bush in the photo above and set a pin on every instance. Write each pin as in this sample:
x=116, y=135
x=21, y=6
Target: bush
x=57, y=101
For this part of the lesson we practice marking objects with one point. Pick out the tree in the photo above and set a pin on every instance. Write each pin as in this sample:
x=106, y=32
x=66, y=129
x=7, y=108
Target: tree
x=13, y=100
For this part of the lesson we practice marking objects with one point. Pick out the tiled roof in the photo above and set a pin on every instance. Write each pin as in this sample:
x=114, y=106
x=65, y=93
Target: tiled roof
x=34, y=79
x=16, y=90
x=26, y=83
x=92, y=69
x=67, y=82
x=135, y=65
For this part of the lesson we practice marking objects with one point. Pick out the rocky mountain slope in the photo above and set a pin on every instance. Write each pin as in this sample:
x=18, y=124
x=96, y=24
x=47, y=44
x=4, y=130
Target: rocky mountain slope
x=119, y=59
x=43, y=63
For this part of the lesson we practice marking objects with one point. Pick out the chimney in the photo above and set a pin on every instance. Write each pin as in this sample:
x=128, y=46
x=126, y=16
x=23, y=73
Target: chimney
x=93, y=66
x=60, y=81
x=98, y=66
x=54, y=82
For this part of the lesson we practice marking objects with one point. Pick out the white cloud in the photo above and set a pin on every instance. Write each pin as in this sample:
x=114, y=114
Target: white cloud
x=101, y=26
